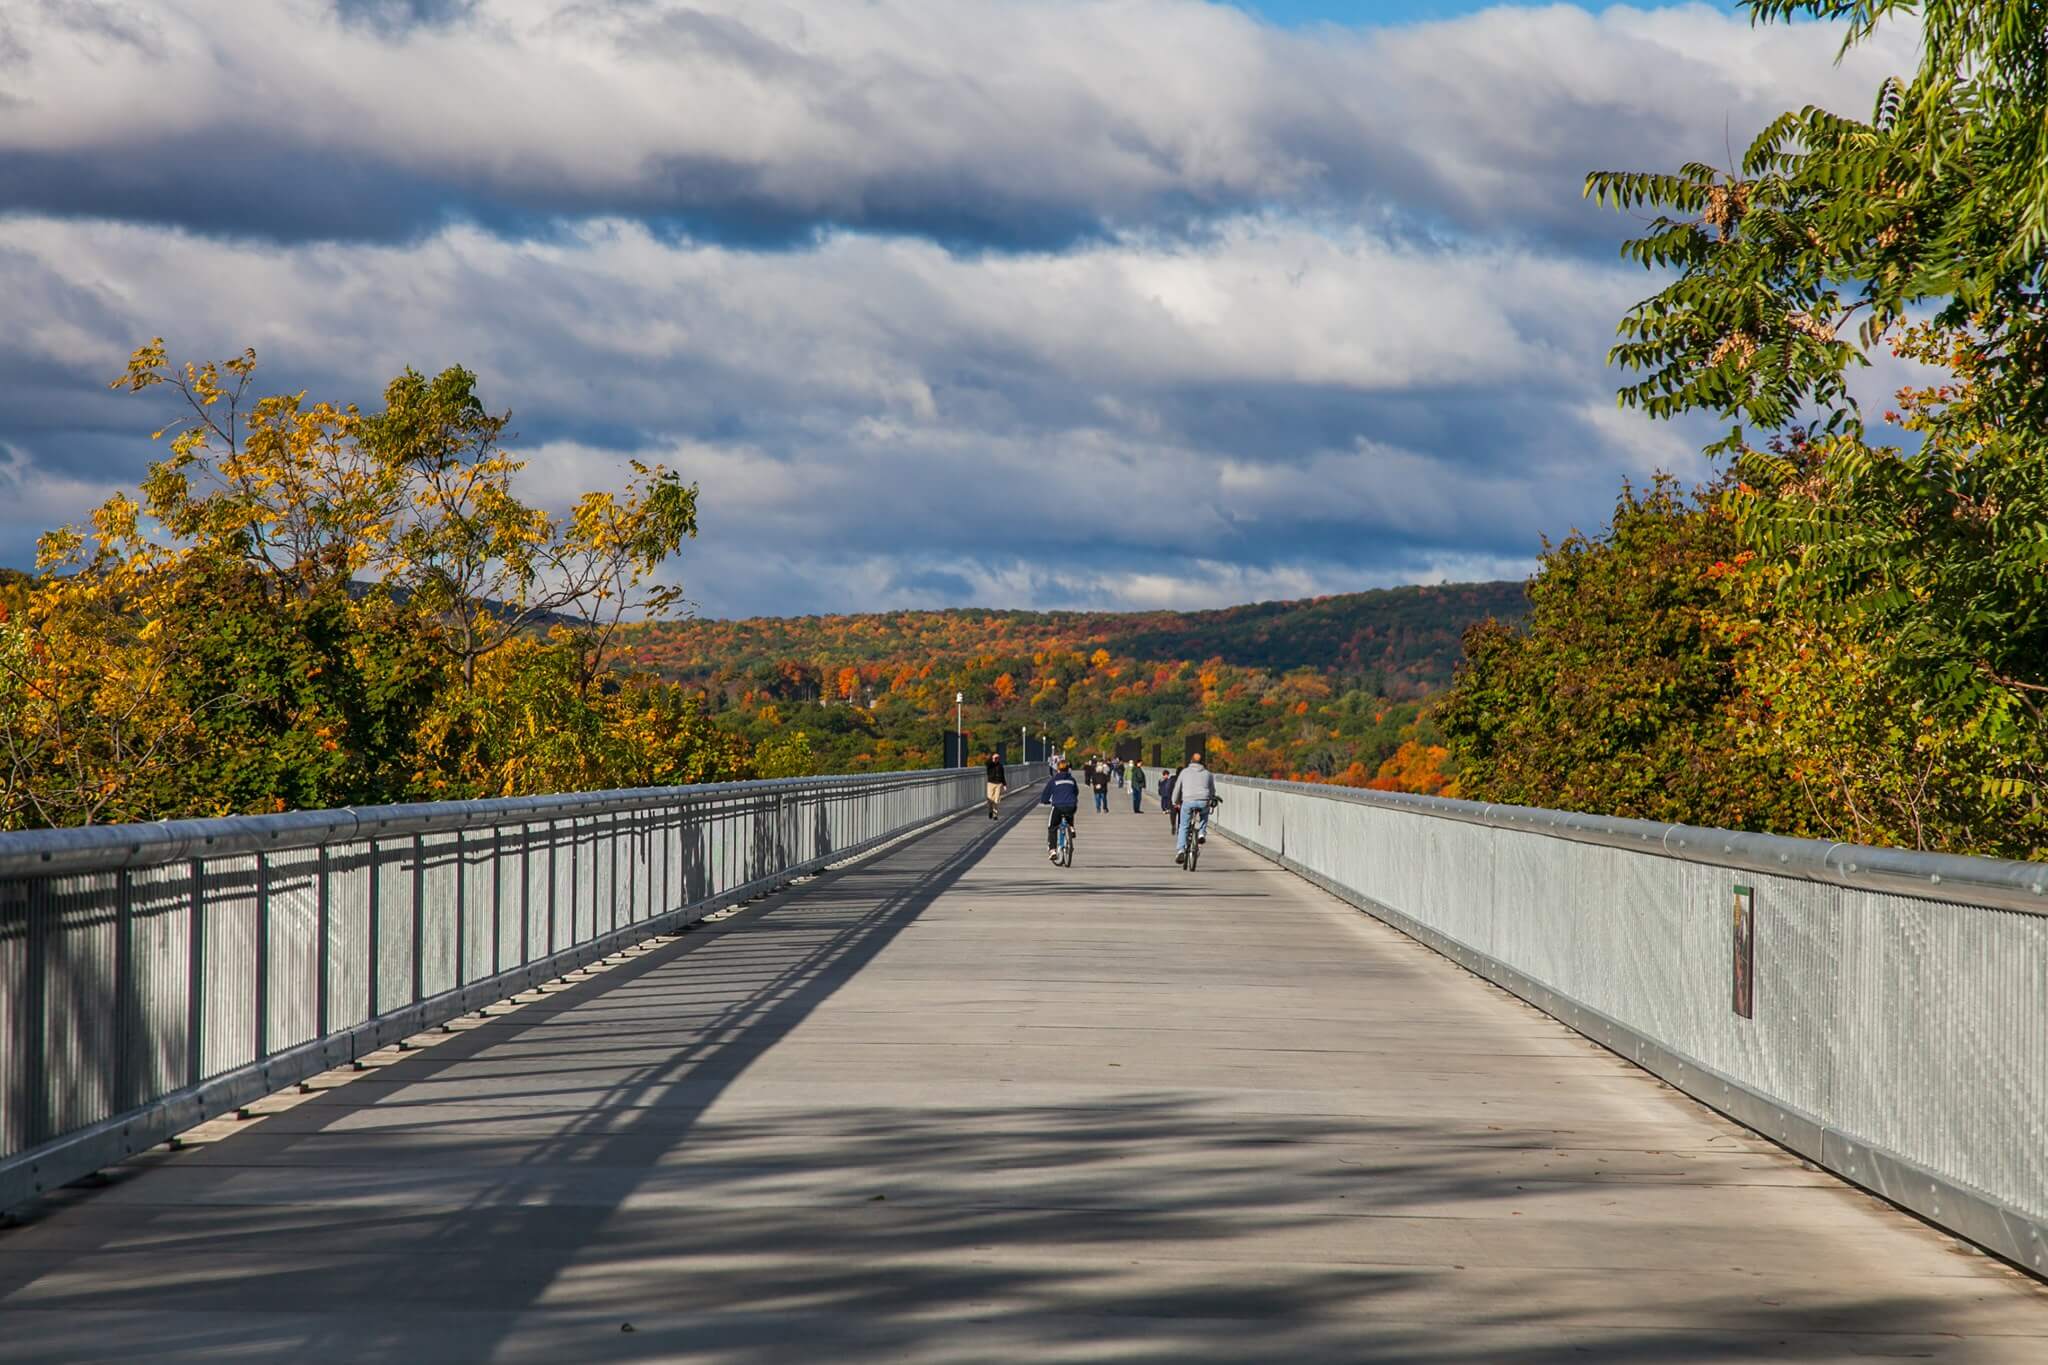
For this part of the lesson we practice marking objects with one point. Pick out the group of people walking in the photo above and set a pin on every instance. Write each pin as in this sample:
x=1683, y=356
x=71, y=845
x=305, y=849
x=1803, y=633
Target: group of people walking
x=1185, y=795
x=1096, y=775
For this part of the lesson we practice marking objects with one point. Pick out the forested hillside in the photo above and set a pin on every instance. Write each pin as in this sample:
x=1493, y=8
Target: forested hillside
x=1327, y=689
x=1402, y=642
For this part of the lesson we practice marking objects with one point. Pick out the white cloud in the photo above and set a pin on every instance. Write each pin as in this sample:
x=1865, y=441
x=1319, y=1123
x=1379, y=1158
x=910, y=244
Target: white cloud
x=1306, y=310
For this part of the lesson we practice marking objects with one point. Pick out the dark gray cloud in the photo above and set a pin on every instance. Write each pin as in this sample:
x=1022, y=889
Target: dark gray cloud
x=979, y=123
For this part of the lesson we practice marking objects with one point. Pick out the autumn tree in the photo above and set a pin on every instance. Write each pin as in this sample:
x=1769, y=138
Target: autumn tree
x=310, y=605
x=417, y=498
x=1620, y=696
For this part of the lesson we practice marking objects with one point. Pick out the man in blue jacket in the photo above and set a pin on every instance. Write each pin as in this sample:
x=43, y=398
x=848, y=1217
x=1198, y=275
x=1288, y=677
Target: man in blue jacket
x=1063, y=794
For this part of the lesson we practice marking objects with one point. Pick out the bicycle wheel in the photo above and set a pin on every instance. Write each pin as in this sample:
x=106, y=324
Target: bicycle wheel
x=1194, y=847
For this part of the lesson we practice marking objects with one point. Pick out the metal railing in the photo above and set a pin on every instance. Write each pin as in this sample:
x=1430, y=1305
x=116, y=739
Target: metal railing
x=1898, y=1002
x=153, y=976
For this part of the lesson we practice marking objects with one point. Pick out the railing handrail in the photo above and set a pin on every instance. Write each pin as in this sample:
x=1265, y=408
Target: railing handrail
x=1959, y=879
x=91, y=848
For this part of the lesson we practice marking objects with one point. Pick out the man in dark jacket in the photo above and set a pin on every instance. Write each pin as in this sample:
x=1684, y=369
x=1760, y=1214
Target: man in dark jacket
x=1098, y=779
x=996, y=782
x=1136, y=774
x=1063, y=794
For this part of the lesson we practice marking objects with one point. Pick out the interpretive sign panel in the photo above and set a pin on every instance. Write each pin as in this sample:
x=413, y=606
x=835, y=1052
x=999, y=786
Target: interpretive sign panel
x=1744, y=941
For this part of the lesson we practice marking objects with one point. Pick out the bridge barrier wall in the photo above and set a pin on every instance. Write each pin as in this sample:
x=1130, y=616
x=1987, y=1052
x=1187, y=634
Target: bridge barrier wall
x=155, y=976
x=1899, y=1033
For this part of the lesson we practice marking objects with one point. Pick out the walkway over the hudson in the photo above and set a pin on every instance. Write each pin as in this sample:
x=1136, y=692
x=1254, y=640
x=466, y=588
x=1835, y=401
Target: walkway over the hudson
x=954, y=1104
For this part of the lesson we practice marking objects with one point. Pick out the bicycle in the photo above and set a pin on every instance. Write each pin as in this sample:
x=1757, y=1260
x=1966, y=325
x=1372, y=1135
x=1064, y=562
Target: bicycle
x=1198, y=832
x=1065, y=847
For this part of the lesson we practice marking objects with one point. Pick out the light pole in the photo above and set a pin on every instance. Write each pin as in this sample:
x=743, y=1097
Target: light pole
x=959, y=700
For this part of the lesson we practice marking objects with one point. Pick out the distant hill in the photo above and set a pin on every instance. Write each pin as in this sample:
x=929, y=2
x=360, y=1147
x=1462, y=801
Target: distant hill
x=1332, y=688
x=1400, y=642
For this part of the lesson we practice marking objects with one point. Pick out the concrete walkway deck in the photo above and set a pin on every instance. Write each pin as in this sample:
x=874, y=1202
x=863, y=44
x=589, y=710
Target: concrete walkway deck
x=954, y=1104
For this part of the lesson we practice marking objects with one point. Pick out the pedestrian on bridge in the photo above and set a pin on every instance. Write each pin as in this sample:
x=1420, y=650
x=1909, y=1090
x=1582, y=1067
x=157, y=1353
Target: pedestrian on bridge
x=997, y=780
x=1137, y=777
x=1166, y=777
x=1098, y=779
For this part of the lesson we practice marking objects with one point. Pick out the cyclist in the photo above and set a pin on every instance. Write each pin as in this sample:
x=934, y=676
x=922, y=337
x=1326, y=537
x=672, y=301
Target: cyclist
x=1063, y=794
x=996, y=782
x=1195, y=790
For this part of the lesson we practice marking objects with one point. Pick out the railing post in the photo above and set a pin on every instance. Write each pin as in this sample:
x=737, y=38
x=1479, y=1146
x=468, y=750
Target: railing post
x=372, y=941
x=195, y=979
x=262, y=1002
x=35, y=1006
x=461, y=908
x=419, y=918
x=322, y=914
x=525, y=894
x=127, y=1028
x=497, y=900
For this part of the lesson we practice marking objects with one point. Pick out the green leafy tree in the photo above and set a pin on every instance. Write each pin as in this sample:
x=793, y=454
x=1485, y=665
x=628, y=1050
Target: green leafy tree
x=1917, y=576
x=1903, y=675
x=1938, y=201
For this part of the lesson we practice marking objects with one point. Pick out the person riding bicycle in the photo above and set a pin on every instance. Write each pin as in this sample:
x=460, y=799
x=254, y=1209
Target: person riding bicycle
x=996, y=782
x=1063, y=794
x=1195, y=790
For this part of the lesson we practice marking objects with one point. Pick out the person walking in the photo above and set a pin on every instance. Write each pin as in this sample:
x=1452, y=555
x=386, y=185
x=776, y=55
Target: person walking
x=1195, y=791
x=1116, y=769
x=1166, y=776
x=1137, y=779
x=1098, y=778
x=997, y=780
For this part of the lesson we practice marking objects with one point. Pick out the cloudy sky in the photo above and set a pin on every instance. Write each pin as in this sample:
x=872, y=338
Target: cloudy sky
x=1105, y=303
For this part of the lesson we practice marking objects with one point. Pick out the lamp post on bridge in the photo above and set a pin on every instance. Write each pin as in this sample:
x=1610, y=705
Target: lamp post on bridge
x=960, y=733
